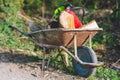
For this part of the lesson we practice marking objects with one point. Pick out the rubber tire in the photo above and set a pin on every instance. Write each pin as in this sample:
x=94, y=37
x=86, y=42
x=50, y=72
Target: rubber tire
x=85, y=54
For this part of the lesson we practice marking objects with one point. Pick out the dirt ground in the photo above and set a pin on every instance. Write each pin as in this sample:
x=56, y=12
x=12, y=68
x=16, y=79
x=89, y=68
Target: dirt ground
x=18, y=65
x=21, y=65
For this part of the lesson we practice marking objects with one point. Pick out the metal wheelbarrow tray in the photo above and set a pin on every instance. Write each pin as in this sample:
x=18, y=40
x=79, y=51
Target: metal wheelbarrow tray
x=84, y=58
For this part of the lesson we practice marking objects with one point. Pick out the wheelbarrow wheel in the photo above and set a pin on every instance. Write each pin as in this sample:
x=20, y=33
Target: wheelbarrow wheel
x=85, y=54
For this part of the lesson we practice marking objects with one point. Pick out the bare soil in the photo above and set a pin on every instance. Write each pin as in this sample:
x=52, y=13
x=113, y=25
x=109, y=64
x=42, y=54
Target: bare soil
x=16, y=64
x=19, y=65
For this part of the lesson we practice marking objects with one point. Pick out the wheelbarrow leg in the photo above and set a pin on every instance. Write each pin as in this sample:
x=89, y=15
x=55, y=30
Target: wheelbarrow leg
x=48, y=62
x=75, y=45
x=90, y=40
x=43, y=62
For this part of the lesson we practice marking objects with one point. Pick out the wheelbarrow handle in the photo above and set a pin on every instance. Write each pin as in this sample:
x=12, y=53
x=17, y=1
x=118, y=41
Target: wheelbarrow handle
x=17, y=29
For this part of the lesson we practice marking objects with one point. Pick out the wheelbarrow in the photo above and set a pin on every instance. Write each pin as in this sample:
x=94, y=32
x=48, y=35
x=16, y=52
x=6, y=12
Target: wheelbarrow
x=83, y=58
